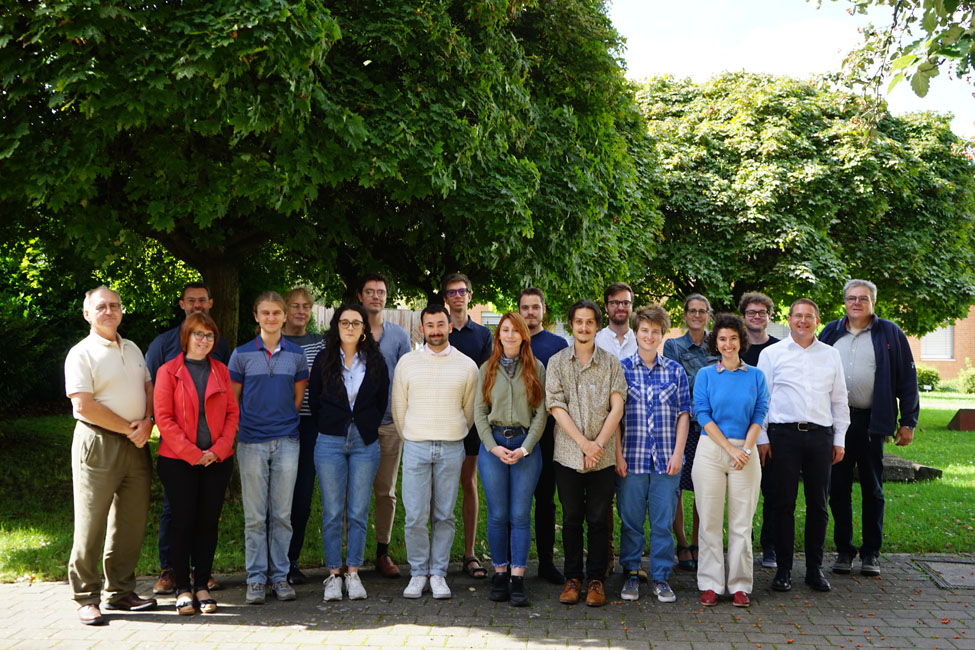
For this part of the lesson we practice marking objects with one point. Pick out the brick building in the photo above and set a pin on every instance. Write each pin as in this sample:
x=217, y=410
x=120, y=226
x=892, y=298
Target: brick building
x=946, y=349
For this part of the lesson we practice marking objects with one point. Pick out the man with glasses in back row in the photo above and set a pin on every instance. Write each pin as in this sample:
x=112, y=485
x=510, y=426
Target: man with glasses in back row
x=880, y=375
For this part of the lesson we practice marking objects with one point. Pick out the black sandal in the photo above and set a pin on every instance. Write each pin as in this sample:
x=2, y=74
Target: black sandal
x=477, y=571
x=185, y=604
x=686, y=565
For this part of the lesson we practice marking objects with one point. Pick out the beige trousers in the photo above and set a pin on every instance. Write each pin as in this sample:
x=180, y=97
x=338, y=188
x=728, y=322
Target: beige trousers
x=384, y=486
x=714, y=480
x=110, y=477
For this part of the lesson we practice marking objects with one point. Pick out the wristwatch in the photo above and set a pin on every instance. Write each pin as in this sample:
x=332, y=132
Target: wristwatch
x=747, y=450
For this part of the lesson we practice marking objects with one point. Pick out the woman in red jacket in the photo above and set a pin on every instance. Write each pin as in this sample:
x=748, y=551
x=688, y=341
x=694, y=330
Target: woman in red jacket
x=194, y=455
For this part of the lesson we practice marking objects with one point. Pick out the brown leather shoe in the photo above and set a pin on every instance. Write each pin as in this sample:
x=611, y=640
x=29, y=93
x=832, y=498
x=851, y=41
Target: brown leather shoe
x=570, y=595
x=213, y=584
x=132, y=603
x=90, y=615
x=386, y=566
x=595, y=597
x=165, y=583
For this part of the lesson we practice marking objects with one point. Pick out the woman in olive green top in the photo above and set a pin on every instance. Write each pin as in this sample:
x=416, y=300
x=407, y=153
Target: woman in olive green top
x=509, y=411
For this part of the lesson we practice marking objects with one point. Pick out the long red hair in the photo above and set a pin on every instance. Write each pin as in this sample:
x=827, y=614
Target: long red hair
x=533, y=386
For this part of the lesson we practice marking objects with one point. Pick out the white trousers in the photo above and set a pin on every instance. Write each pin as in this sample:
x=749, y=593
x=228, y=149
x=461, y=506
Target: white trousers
x=714, y=479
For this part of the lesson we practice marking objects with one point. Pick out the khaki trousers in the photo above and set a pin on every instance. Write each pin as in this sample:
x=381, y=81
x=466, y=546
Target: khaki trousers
x=384, y=486
x=714, y=478
x=110, y=477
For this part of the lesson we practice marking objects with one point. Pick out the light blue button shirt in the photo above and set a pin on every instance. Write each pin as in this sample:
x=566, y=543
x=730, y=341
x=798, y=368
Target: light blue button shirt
x=352, y=377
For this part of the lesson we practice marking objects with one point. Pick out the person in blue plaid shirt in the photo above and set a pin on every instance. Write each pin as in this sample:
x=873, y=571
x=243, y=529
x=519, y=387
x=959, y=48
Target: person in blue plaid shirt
x=650, y=454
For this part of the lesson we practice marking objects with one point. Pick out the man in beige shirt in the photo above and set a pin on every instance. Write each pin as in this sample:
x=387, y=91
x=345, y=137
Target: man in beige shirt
x=585, y=391
x=106, y=378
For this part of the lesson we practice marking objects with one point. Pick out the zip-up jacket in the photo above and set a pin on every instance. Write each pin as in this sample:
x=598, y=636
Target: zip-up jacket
x=177, y=409
x=896, y=378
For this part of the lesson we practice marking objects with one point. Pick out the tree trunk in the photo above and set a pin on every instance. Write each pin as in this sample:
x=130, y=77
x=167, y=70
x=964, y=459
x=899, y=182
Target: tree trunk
x=224, y=282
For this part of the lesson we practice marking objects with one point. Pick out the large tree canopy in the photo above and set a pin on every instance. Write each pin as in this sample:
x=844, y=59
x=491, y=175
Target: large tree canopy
x=496, y=138
x=776, y=185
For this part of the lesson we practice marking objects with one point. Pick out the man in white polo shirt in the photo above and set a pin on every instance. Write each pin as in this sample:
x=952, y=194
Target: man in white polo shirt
x=106, y=378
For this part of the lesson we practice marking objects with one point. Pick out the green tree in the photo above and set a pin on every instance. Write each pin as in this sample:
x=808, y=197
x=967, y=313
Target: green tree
x=922, y=37
x=495, y=137
x=776, y=185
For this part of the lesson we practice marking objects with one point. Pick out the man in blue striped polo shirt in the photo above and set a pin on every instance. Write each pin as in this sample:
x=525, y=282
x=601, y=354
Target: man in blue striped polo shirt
x=269, y=376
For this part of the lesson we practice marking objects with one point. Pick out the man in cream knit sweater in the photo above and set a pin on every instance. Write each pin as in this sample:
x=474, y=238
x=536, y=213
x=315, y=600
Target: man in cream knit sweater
x=433, y=408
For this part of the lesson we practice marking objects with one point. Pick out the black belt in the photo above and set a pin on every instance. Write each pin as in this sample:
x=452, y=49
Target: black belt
x=854, y=409
x=797, y=426
x=508, y=432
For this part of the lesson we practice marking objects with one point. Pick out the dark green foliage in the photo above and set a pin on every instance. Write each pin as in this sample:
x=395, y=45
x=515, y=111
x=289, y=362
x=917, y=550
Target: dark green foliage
x=927, y=376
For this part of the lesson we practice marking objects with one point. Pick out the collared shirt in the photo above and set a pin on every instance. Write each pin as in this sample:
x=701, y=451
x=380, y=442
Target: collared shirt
x=352, y=377
x=691, y=356
x=733, y=399
x=607, y=340
x=114, y=372
x=859, y=364
x=805, y=385
x=443, y=353
x=656, y=397
x=268, y=377
x=584, y=392
x=473, y=340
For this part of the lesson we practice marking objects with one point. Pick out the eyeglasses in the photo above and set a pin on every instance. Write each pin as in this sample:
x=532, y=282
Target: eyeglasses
x=863, y=300
x=108, y=306
x=350, y=324
x=750, y=313
x=697, y=312
x=200, y=335
x=451, y=293
x=377, y=293
x=619, y=303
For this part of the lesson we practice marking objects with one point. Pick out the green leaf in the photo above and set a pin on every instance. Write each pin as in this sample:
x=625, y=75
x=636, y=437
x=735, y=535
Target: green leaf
x=919, y=83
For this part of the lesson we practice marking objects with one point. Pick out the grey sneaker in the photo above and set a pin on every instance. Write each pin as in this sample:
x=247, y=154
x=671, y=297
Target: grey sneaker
x=631, y=588
x=843, y=564
x=768, y=559
x=333, y=587
x=416, y=587
x=255, y=594
x=870, y=566
x=353, y=587
x=283, y=591
x=663, y=592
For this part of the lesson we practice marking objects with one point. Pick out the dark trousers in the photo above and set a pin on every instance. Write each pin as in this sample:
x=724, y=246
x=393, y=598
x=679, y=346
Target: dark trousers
x=165, y=519
x=196, y=496
x=811, y=454
x=545, y=496
x=767, y=537
x=585, y=497
x=304, y=485
x=866, y=452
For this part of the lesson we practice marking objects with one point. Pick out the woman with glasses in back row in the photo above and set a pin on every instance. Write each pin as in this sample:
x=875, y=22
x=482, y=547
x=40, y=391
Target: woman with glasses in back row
x=347, y=392
x=197, y=418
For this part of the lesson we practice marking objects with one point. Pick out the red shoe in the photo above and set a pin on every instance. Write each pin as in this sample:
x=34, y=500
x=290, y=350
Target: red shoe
x=741, y=599
x=709, y=598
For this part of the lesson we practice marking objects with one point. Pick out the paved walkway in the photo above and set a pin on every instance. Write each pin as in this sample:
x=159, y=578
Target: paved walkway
x=902, y=609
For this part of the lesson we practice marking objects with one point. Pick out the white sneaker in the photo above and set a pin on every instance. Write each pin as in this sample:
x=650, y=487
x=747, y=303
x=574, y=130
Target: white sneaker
x=353, y=587
x=439, y=587
x=333, y=587
x=416, y=587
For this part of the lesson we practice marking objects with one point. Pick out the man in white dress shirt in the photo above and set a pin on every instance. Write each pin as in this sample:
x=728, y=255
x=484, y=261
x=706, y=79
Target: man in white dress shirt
x=805, y=432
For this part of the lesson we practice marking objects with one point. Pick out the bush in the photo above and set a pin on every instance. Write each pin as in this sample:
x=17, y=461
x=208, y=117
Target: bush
x=927, y=376
x=966, y=377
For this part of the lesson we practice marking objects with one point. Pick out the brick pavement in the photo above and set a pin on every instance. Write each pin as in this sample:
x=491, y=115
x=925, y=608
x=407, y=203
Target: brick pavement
x=902, y=609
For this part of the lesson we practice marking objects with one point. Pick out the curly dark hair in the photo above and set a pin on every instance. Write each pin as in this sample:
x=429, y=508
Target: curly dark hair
x=727, y=322
x=332, y=364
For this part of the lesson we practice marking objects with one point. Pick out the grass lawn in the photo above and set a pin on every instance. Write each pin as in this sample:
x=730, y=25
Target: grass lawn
x=36, y=504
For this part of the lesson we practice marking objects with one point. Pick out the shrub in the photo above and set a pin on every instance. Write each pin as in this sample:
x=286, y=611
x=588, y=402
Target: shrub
x=966, y=377
x=927, y=376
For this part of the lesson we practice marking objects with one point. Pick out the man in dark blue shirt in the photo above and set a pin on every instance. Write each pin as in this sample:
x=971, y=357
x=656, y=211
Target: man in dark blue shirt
x=531, y=306
x=165, y=347
x=474, y=340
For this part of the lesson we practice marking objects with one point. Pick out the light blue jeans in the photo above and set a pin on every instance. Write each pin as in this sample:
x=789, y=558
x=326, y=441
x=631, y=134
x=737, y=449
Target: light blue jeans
x=640, y=495
x=430, y=469
x=346, y=468
x=509, y=490
x=267, y=485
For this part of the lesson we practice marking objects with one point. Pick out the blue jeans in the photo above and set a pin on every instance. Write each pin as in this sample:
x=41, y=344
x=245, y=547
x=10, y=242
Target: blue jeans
x=346, y=468
x=267, y=484
x=509, y=490
x=640, y=496
x=430, y=469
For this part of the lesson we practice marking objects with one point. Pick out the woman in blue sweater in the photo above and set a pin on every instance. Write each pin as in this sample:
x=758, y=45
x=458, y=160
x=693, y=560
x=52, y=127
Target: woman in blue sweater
x=730, y=402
